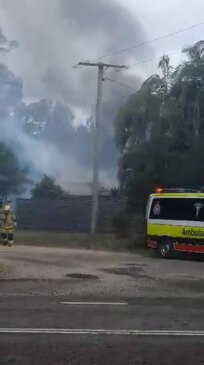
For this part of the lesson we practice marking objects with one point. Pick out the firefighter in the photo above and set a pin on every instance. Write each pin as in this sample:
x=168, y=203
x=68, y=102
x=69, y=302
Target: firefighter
x=8, y=226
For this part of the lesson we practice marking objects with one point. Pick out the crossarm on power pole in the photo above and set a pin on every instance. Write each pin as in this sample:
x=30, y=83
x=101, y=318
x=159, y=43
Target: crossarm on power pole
x=105, y=65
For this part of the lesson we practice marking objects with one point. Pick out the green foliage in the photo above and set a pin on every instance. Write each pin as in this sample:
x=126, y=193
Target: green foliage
x=46, y=119
x=10, y=91
x=12, y=177
x=47, y=188
x=160, y=130
x=52, y=121
x=6, y=45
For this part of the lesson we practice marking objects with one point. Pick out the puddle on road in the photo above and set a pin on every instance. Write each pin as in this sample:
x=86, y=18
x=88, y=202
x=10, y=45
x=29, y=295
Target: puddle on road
x=132, y=271
x=81, y=276
x=9, y=361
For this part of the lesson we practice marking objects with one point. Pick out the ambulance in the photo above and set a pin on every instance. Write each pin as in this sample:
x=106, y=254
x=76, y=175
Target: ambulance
x=175, y=221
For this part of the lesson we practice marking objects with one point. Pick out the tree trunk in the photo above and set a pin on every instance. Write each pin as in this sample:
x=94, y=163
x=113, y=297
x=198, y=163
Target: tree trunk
x=196, y=118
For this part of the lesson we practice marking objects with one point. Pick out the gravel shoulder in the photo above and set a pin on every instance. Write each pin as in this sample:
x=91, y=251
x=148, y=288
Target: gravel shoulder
x=88, y=272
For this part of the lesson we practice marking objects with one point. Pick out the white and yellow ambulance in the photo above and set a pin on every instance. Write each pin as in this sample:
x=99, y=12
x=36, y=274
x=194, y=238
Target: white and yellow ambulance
x=175, y=221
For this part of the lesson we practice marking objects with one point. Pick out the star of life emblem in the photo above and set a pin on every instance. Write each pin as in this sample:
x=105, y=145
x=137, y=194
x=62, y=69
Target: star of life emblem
x=198, y=207
x=157, y=209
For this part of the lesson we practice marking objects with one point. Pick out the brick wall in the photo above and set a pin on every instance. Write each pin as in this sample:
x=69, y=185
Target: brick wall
x=72, y=214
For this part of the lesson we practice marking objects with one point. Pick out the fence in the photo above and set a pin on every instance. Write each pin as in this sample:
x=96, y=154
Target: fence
x=72, y=214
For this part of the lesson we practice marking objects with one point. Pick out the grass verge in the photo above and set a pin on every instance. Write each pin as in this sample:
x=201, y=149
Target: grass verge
x=76, y=240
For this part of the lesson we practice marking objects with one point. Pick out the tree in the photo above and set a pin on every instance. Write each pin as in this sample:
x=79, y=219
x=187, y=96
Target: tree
x=134, y=121
x=48, y=120
x=164, y=65
x=10, y=91
x=52, y=121
x=47, y=188
x=189, y=86
x=12, y=176
x=160, y=130
x=5, y=44
x=11, y=86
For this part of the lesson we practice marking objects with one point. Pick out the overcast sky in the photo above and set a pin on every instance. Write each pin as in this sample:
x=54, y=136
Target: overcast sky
x=160, y=17
x=55, y=34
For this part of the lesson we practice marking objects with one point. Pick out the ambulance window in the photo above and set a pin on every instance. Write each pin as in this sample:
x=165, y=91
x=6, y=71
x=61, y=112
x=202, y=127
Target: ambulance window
x=191, y=209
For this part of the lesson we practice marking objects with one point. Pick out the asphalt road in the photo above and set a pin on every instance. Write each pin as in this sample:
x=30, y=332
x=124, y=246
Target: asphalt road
x=120, y=312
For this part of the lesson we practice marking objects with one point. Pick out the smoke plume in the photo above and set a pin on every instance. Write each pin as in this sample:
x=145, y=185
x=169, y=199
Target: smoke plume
x=56, y=34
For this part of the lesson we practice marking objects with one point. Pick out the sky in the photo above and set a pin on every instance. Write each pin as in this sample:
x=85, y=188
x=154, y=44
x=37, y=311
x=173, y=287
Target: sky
x=159, y=17
x=55, y=35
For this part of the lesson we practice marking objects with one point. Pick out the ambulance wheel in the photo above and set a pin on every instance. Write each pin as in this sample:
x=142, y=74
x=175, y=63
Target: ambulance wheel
x=164, y=249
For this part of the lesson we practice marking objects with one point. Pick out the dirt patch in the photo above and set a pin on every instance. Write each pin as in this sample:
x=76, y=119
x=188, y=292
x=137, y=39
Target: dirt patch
x=4, y=271
x=81, y=276
x=132, y=271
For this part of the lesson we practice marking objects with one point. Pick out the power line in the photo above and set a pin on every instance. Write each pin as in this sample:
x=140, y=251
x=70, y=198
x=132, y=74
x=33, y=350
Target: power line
x=151, y=59
x=132, y=65
x=76, y=65
x=137, y=45
x=120, y=84
x=135, y=64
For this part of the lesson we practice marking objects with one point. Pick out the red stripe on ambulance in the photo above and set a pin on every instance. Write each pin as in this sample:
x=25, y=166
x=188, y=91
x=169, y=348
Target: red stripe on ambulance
x=183, y=247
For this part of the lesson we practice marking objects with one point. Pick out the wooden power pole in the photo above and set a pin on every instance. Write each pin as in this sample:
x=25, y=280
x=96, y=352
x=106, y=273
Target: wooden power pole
x=101, y=69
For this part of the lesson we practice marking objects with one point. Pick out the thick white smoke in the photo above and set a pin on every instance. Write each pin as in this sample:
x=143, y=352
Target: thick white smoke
x=43, y=158
x=54, y=34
